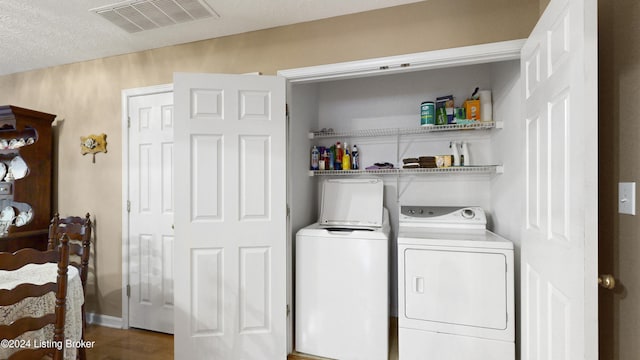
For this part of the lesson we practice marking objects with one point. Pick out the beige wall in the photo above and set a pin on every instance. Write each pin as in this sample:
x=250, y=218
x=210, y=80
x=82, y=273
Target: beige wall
x=543, y=5
x=87, y=94
x=619, y=78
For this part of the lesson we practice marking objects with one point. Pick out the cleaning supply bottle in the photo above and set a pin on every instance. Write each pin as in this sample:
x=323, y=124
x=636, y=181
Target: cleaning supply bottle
x=465, y=160
x=346, y=158
x=338, y=164
x=332, y=157
x=355, y=158
x=315, y=158
x=454, y=152
x=324, y=160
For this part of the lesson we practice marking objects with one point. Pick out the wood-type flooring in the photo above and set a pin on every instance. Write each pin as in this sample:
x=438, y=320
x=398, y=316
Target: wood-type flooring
x=134, y=344
x=131, y=344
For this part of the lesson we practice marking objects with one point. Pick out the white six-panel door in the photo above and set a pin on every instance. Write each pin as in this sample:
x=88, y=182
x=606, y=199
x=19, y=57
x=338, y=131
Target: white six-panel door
x=559, y=245
x=230, y=196
x=151, y=211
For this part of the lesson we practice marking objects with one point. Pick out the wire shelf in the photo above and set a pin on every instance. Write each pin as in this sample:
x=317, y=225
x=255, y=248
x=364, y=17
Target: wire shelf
x=480, y=169
x=479, y=125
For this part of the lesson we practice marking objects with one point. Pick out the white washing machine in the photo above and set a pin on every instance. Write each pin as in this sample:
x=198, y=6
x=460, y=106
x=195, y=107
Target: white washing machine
x=342, y=274
x=455, y=286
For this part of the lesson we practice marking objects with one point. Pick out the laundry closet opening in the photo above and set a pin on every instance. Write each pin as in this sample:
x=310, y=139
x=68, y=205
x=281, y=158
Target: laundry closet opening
x=354, y=105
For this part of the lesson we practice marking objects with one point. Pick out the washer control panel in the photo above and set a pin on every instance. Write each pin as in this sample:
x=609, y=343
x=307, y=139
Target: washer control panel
x=442, y=216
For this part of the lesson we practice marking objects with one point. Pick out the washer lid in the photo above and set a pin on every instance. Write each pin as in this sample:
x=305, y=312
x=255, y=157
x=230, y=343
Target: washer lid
x=352, y=203
x=316, y=231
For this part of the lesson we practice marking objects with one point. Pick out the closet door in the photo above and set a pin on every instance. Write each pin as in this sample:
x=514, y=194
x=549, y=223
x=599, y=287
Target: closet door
x=560, y=238
x=230, y=199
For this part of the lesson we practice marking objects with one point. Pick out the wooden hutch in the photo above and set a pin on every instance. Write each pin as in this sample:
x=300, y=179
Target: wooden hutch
x=26, y=153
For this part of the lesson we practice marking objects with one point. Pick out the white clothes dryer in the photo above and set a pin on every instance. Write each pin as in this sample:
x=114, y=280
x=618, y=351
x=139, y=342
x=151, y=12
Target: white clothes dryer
x=455, y=286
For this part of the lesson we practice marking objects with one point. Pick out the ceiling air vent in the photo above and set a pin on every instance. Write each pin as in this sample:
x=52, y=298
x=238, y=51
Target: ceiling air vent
x=135, y=16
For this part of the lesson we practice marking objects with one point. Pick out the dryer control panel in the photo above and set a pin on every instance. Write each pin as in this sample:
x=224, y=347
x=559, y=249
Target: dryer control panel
x=442, y=216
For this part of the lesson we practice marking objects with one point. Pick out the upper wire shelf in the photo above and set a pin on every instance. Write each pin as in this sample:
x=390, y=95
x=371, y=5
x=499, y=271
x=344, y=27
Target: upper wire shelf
x=474, y=169
x=479, y=125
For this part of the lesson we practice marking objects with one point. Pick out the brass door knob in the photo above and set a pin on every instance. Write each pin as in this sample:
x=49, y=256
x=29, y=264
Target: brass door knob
x=607, y=281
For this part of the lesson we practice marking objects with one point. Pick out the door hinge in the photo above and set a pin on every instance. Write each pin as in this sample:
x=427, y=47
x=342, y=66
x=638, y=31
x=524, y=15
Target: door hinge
x=128, y=206
x=286, y=109
x=128, y=121
x=288, y=310
x=128, y=290
x=288, y=210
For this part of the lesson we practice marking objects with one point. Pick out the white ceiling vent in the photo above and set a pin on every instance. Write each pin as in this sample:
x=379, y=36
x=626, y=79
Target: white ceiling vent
x=135, y=16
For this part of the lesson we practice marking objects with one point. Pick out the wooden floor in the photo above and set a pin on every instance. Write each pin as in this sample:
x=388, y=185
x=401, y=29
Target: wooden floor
x=117, y=344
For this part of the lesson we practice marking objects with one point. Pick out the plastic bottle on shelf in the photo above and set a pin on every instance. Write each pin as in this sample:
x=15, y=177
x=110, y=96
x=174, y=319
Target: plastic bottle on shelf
x=332, y=157
x=355, y=158
x=454, y=151
x=338, y=163
x=324, y=160
x=346, y=158
x=465, y=159
x=315, y=158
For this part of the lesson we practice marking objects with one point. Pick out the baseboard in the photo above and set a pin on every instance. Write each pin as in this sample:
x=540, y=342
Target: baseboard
x=104, y=320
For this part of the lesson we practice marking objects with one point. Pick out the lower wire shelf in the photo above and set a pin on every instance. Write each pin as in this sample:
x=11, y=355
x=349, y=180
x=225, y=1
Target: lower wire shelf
x=474, y=169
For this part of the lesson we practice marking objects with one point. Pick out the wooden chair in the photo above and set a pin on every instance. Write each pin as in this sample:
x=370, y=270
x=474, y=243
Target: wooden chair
x=15, y=261
x=79, y=232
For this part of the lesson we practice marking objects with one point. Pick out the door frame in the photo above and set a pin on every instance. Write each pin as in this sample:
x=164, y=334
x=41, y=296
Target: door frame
x=126, y=95
x=435, y=59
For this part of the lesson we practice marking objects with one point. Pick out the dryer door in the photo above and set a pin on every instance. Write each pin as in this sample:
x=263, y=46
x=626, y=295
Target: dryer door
x=464, y=288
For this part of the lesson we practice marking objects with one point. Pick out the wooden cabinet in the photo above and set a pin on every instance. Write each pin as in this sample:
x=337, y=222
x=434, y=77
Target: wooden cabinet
x=26, y=154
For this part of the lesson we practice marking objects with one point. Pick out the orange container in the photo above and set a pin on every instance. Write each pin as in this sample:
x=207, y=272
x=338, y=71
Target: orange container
x=472, y=107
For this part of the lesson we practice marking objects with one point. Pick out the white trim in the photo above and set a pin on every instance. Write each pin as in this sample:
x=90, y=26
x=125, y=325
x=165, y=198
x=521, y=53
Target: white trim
x=467, y=55
x=105, y=320
x=126, y=94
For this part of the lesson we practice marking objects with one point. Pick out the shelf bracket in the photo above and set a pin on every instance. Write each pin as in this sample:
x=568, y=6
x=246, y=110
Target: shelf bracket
x=404, y=188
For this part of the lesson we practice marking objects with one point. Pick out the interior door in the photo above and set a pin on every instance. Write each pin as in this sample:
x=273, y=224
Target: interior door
x=151, y=211
x=230, y=196
x=559, y=245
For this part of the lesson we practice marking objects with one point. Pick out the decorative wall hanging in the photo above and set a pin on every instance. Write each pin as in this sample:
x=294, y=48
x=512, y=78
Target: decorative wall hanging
x=93, y=144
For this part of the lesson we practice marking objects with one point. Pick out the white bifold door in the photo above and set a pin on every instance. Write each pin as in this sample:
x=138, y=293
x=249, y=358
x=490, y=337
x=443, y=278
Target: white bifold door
x=559, y=244
x=230, y=199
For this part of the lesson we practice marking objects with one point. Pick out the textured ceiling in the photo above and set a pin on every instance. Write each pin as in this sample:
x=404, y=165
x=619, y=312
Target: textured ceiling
x=43, y=33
